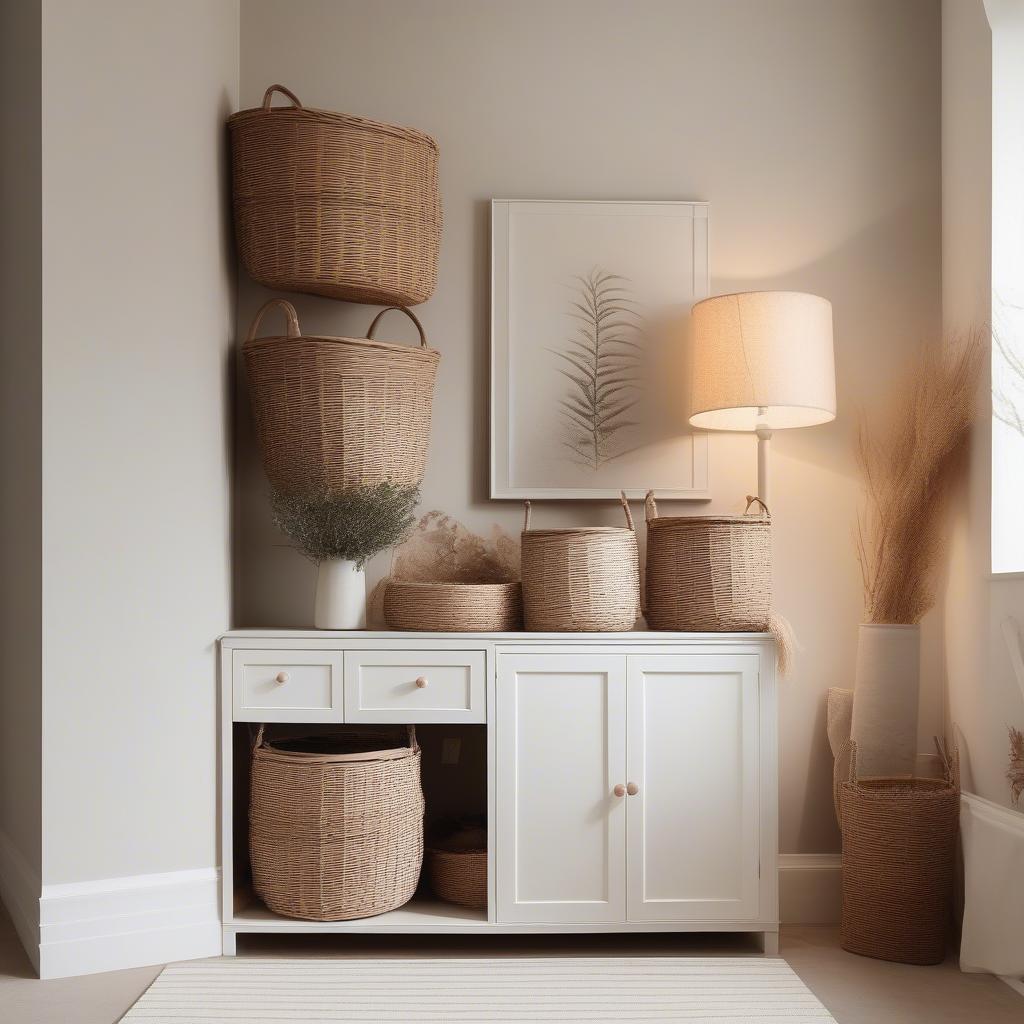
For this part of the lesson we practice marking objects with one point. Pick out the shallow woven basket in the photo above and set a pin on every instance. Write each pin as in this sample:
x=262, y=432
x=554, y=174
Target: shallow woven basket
x=333, y=413
x=459, y=876
x=335, y=205
x=336, y=825
x=454, y=607
x=899, y=849
x=580, y=580
x=709, y=573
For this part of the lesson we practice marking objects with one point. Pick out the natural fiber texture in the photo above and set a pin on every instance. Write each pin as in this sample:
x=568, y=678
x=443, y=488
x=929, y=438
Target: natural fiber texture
x=1015, y=772
x=580, y=580
x=335, y=205
x=709, y=572
x=908, y=458
x=459, y=876
x=899, y=847
x=336, y=825
x=334, y=413
x=454, y=607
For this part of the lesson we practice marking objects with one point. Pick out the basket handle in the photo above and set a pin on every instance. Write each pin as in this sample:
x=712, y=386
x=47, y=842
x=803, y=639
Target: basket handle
x=259, y=737
x=950, y=758
x=625, y=508
x=526, y=517
x=413, y=744
x=290, y=315
x=650, y=507
x=268, y=95
x=409, y=313
x=751, y=498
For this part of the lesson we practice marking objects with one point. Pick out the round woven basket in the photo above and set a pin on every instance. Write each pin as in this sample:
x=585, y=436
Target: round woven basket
x=335, y=205
x=454, y=607
x=581, y=580
x=333, y=413
x=459, y=876
x=709, y=573
x=335, y=825
x=899, y=849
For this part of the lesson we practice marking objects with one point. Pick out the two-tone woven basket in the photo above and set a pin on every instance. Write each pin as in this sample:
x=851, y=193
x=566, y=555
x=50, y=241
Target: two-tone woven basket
x=899, y=852
x=454, y=607
x=333, y=413
x=584, y=579
x=335, y=825
x=335, y=205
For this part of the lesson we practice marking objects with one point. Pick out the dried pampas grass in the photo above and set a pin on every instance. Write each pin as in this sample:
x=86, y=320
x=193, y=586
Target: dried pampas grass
x=1015, y=773
x=908, y=458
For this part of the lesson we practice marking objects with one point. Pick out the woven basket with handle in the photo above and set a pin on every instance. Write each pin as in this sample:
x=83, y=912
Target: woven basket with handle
x=709, y=573
x=899, y=850
x=335, y=205
x=333, y=413
x=585, y=579
x=454, y=607
x=335, y=825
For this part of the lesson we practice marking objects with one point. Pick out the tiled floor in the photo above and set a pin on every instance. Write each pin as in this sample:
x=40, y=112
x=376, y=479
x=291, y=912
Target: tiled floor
x=855, y=989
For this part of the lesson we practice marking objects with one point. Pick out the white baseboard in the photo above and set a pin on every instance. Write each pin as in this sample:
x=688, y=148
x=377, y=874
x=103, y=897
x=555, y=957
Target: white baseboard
x=116, y=923
x=810, y=888
x=19, y=890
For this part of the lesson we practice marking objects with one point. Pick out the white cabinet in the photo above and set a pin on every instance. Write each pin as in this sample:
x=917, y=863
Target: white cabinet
x=627, y=788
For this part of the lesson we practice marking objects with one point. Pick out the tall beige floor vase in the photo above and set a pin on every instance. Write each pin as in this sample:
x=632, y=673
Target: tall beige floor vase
x=885, y=699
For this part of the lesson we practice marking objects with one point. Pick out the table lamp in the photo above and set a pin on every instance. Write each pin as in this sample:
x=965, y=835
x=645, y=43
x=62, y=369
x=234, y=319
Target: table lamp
x=762, y=361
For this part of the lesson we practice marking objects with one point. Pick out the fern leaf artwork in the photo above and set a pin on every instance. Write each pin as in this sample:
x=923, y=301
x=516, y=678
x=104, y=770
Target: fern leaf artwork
x=601, y=362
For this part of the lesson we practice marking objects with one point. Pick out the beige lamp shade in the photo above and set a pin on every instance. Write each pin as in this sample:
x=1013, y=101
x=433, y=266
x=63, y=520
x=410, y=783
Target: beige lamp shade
x=762, y=359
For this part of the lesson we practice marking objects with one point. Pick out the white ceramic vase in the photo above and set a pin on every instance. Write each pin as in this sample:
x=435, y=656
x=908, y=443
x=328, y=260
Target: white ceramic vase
x=885, y=699
x=340, y=595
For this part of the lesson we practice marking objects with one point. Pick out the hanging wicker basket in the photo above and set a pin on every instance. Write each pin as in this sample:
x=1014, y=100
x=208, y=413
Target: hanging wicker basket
x=710, y=573
x=454, y=607
x=585, y=579
x=899, y=849
x=335, y=205
x=335, y=825
x=334, y=413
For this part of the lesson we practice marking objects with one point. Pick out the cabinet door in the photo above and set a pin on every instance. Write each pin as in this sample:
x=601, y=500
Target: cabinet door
x=560, y=751
x=692, y=812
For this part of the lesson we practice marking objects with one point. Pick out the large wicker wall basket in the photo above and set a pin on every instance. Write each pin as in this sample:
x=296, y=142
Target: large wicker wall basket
x=335, y=205
x=585, y=579
x=333, y=413
x=709, y=573
x=335, y=825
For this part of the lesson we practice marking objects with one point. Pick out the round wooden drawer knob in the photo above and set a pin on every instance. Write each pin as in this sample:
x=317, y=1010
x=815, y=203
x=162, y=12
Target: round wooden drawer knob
x=619, y=790
x=632, y=788
x=281, y=677
x=421, y=683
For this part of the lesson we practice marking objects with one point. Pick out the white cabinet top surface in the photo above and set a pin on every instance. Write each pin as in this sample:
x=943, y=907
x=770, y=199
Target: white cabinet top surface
x=235, y=637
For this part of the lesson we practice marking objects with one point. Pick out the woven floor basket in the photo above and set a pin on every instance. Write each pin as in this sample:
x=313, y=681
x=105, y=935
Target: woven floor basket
x=709, y=573
x=335, y=825
x=899, y=849
x=454, y=607
x=333, y=413
x=580, y=580
x=459, y=876
x=335, y=205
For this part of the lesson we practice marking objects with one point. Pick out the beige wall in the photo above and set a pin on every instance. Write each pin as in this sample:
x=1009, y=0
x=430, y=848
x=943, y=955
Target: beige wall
x=811, y=126
x=20, y=433
x=138, y=320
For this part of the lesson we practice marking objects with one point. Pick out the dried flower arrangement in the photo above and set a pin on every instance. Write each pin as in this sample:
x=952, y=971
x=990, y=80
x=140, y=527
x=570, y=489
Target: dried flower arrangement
x=908, y=458
x=352, y=524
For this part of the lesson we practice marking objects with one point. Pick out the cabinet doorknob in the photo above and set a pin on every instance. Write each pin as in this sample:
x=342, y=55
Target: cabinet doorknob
x=619, y=790
x=421, y=682
x=281, y=677
x=632, y=788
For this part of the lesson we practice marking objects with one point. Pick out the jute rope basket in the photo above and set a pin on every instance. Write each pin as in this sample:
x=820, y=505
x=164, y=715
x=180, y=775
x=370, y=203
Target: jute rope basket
x=458, y=876
x=709, y=573
x=333, y=413
x=454, y=607
x=899, y=849
x=335, y=205
x=584, y=579
x=335, y=825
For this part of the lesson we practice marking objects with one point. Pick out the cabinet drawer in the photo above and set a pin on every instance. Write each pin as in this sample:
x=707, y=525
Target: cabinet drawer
x=414, y=686
x=287, y=686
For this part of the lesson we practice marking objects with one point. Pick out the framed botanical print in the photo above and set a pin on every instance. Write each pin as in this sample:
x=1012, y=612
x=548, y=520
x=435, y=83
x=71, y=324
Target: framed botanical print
x=590, y=302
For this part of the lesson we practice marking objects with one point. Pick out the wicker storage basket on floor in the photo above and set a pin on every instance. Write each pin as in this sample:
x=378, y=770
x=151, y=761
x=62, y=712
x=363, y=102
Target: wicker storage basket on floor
x=581, y=580
x=335, y=825
x=899, y=847
x=335, y=205
x=708, y=572
x=333, y=413
x=454, y=607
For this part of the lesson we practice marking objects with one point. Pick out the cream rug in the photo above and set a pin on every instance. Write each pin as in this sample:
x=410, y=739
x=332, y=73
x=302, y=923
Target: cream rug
x=725, y=990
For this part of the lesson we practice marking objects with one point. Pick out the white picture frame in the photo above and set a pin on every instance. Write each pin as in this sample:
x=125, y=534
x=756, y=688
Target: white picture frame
x=559, y=270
